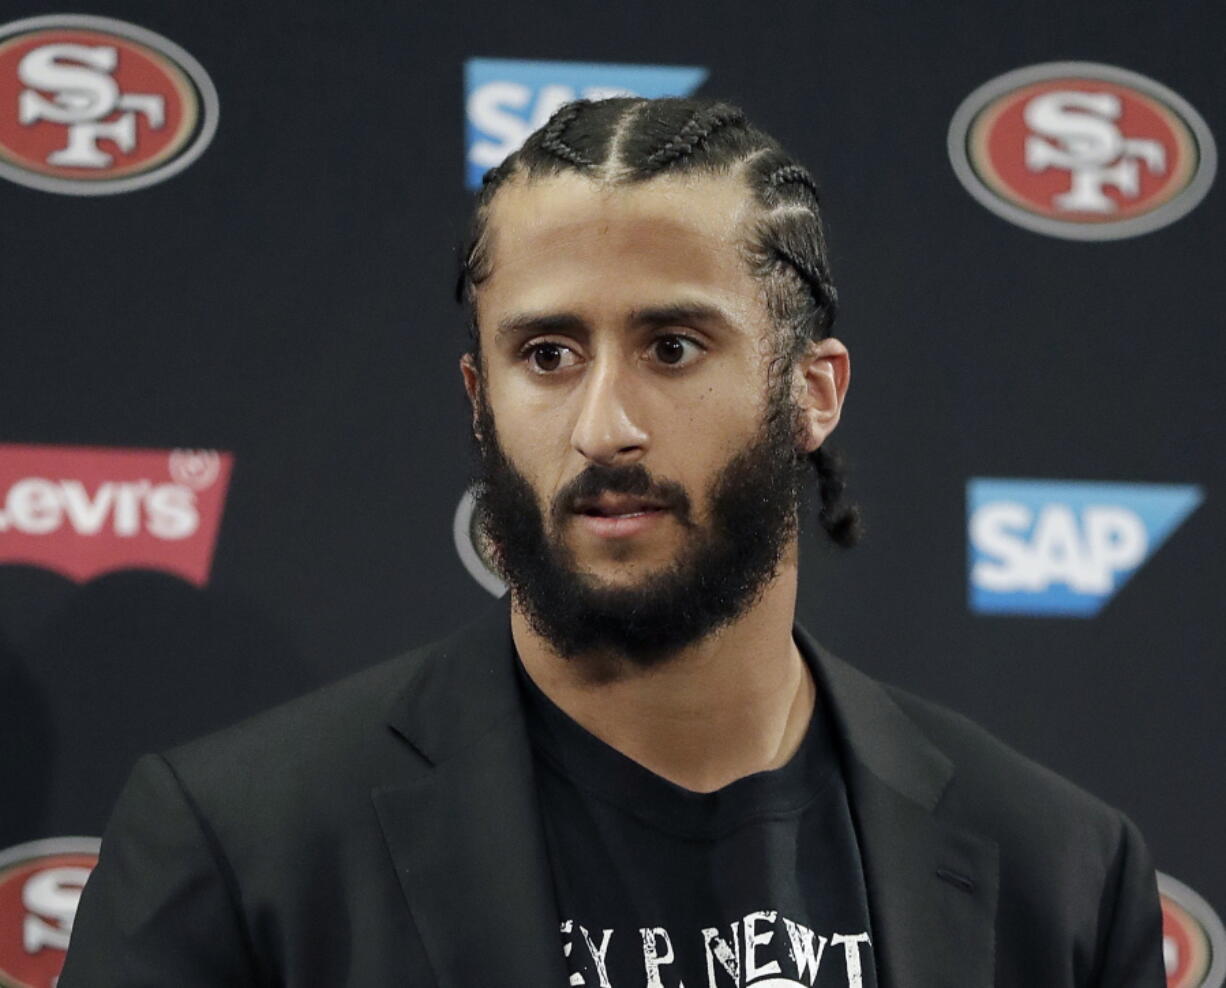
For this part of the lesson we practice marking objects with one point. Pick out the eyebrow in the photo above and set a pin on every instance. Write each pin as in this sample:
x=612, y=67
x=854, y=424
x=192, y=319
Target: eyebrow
x=569, y=322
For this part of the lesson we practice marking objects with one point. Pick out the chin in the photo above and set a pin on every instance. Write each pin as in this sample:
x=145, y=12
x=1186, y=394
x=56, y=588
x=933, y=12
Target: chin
x=618, y=574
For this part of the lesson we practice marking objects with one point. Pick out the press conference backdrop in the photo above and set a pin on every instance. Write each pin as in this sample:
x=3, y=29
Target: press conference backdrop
x=234, y=447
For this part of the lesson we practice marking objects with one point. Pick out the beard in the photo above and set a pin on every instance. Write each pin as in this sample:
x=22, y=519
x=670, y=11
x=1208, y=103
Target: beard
x=720, y=571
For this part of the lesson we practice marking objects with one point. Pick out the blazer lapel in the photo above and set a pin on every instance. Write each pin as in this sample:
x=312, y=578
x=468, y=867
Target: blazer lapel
x=466, y=837
x=466, y=840
x=932, y=887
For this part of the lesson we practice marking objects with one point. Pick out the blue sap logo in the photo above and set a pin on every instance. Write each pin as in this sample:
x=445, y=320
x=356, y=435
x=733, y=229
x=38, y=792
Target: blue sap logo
x=1061, y=547
x=507, y=99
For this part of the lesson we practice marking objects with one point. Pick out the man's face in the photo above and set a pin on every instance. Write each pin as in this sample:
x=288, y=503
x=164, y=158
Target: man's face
x=639, y=484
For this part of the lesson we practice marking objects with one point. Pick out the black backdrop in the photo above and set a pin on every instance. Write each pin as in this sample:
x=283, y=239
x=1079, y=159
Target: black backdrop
x=287, y=298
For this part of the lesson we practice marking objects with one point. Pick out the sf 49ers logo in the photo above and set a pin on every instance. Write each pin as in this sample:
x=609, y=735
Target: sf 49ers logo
x=40, y=886
x=1193, y=940
x=1082, y=151
x=91, y=106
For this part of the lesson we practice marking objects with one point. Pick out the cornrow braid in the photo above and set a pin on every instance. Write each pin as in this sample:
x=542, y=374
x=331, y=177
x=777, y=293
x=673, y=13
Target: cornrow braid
x=627, y=140
x=553, y=142
x=819, y=287
x=472, y=260
x=701, y=125
x=790, y=248
x=493, y=178
x=793, y=175
x=841, y=521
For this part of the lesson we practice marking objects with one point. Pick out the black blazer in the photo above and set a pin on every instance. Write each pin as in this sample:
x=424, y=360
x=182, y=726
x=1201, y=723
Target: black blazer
x=384, y=831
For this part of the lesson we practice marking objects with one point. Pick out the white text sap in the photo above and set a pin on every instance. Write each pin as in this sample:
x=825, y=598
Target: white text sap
x=505, y=112
x=1084, y=551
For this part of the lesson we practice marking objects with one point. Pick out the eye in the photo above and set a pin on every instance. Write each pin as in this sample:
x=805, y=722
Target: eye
x=544, y=358
x=670, y=349
x=548, y=357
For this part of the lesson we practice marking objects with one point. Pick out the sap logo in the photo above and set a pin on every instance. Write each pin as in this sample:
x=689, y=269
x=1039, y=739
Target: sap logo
x=1062, y=547
x=507, y=99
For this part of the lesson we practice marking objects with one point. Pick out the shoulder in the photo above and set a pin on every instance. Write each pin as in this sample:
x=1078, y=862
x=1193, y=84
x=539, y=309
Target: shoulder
x=305, y=756
x=1074, y=871
x=985, y=761
x=336, y=715
x=319, y=757
x=1035, y=813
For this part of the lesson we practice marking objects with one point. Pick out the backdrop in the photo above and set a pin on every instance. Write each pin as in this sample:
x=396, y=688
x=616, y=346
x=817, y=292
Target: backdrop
x=234, y=441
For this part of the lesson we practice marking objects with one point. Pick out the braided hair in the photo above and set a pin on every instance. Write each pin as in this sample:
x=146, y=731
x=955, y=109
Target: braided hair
x=625, y=140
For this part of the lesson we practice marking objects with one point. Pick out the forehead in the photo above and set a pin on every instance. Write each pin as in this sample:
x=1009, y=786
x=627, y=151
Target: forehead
x=567, y=241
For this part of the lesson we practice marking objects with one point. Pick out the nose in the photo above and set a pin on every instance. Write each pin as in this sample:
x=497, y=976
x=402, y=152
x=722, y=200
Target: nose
x=605, y=431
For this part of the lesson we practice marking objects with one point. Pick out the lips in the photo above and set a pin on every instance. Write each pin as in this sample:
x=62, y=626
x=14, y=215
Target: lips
x=614, y=505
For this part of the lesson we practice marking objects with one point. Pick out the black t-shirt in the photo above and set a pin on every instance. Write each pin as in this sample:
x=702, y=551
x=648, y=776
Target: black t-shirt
x=756, y=884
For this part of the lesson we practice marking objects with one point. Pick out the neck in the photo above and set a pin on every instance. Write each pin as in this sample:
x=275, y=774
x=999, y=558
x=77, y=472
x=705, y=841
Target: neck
x=734, y=703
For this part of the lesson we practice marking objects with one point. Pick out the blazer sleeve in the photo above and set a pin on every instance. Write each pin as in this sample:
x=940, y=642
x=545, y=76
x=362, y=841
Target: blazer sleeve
x=1131, y=954
x=160, y=907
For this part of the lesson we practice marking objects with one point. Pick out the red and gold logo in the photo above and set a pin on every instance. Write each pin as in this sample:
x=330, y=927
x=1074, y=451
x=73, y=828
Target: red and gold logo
x=40, y=886
x=82, y=511
x=1193, y=940
x=1082, y=151
x=93, y=106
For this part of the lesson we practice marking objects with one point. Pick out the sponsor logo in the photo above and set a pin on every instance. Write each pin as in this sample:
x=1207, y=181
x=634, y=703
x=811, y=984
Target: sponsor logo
x=507, y=99
x=83, y=511
x=1064, y=547
x=473, y=547
x=1082, y=151
x=92, y=106
x=1193, y=940
x=40, y=886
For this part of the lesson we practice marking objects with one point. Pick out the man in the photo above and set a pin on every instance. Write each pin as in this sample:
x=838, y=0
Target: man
x=640, y=771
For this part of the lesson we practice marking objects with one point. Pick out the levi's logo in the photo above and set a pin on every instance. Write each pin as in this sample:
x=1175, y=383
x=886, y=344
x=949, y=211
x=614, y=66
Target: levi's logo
x=84, y=511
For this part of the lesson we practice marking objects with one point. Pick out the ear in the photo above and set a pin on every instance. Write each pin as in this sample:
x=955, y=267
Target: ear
x=820, y=381
x=472, y=385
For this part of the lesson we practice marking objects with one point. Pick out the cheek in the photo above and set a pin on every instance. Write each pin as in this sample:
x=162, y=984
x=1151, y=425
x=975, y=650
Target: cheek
x=534, y=436
x=728, y=409
x=706, y=438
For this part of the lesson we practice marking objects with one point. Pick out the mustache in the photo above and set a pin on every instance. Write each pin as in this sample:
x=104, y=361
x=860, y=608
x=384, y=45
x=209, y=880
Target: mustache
x=597, y=479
